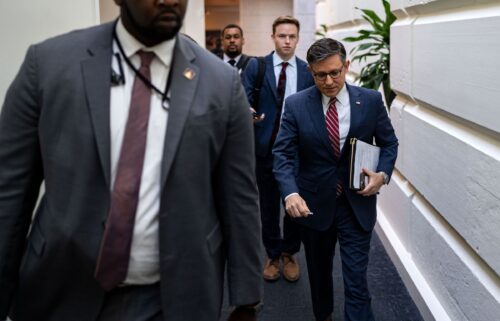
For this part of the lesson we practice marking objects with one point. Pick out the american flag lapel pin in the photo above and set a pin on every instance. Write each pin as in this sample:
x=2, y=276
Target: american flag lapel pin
x=189, y=73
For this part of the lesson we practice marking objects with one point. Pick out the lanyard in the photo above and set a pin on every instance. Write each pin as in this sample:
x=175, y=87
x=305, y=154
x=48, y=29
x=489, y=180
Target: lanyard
x=163, y=94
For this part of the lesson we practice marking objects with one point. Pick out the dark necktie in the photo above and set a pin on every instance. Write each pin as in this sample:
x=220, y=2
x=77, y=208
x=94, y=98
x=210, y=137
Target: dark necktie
x=112, y=263
x=280, y=90
x=332, y=126
x=232, y=62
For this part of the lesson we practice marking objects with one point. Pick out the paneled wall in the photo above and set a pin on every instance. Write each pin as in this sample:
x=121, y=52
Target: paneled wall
x=440, y=216
x=25, y=22
x=257, y=18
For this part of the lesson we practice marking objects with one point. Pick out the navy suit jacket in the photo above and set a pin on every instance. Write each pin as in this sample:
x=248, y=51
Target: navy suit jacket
x=303, y=135
x=268, y=99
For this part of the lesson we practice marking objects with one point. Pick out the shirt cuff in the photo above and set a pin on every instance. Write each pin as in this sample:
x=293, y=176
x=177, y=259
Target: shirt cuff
x=290, y=195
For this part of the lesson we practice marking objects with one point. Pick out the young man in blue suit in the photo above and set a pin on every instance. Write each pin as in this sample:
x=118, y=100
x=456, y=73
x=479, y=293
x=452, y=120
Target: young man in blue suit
x=316, y=128
x=284, y=75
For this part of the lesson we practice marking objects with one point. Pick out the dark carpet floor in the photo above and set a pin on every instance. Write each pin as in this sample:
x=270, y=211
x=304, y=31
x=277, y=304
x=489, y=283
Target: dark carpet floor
x=285, y=301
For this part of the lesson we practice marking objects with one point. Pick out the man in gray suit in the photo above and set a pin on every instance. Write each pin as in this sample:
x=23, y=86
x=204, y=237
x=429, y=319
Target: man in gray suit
x=149, y=179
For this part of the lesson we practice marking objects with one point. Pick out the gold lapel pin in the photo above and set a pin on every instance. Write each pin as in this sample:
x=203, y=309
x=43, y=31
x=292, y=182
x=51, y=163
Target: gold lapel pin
x=189, y=73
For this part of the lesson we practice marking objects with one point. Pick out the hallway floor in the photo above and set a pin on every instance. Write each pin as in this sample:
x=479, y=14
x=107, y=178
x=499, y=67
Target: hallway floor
x=285, y=301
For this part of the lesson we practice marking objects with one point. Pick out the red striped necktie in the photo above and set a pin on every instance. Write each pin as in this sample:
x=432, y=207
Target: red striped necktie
x=332, y=126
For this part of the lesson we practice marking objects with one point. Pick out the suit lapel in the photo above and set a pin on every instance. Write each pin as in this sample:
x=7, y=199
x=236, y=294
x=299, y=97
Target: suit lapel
x=356, y=113
x=270, y=77
x=318, y=118
x=96, y=72
x=301, y=74
x=183, y=90
x=242, y=61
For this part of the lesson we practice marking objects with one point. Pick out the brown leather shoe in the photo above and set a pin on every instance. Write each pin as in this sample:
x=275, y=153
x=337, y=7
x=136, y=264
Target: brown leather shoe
x=272, y=270
x=328, y=318
x=291, y=271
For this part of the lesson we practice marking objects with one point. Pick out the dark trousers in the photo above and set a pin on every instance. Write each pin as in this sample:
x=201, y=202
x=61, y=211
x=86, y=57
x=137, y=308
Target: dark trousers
x=132, y=303
x=354, y=245
x=270, y=200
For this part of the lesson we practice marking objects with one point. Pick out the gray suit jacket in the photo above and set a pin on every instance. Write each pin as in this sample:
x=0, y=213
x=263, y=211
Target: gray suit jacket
x=54, y=128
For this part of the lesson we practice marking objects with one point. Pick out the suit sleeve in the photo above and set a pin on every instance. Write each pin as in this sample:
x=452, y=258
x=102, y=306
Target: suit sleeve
x=237, y=202
x=248, y=78
x=20, y=173
x=385, y=138
x=285, y=150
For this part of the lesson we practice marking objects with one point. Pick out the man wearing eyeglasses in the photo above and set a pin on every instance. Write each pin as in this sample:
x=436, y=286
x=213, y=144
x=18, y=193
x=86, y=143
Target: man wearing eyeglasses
x=284, y=75
x=316, y=127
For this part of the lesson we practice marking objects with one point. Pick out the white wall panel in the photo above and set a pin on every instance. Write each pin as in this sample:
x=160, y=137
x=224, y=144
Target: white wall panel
x=342, y=11
x=401, y=55
x=395, y=203
x=324, y=13
x=458, y=173
x=430, y=6
x=257, y=18
x=396, y=114
x=453, y=60
x=26, y=22
x=305, y=12
x=456, y=274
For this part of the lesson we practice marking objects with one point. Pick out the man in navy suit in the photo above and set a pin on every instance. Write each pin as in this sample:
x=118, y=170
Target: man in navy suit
x=316, y=128
x=284, y=75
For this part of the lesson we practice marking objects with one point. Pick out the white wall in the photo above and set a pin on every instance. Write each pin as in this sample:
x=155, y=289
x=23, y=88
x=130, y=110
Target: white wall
x=25, y=22
x=305, y=12
x=440, y=216
x=194, y=21
x=257, y=18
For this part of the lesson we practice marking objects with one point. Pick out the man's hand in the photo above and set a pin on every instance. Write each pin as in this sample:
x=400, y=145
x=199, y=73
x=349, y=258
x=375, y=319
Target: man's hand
x=296, y=206
x=256, y=117
x=375, y=182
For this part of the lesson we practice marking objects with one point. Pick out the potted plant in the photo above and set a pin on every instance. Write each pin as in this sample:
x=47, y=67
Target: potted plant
x=375, y=44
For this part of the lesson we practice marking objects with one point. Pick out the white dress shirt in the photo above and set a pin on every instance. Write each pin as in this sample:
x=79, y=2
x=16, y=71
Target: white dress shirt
x=343, y=106
x=226, y=59
x=291, y=75
x=144, y=257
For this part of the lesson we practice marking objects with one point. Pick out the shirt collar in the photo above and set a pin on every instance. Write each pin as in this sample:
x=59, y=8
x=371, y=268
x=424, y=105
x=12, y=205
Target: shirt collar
x=342, y=97
x=164, y=50
x=226, y=58
x=277, y=60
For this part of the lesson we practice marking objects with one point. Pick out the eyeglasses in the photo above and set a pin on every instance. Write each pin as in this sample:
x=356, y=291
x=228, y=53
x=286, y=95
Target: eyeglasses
x=334, y=74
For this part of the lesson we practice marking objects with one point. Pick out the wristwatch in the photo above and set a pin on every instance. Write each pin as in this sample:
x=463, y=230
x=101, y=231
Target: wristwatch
x=386, y=177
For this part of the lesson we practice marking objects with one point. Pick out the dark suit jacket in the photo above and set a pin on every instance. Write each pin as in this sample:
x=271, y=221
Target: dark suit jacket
x=303, y=133
x=54, y=128
x=268, y=98
x=242, y=63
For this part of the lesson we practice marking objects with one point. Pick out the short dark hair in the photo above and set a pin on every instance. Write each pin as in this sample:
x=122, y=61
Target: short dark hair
x=230, y=26
x=285, y=19
x=324, y=48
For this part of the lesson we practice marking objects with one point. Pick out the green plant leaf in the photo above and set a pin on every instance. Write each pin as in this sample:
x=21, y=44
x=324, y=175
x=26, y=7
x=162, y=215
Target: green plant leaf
x=373, y=17
x=375, y=46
